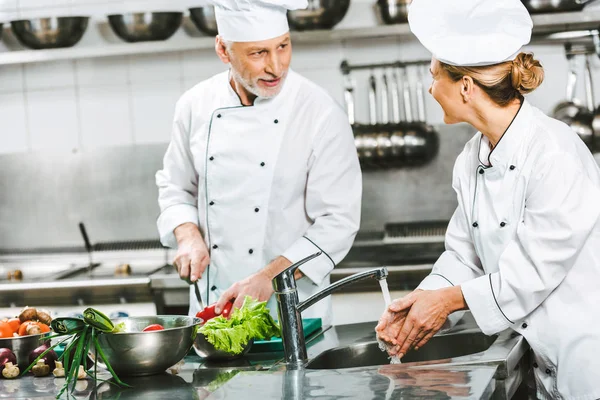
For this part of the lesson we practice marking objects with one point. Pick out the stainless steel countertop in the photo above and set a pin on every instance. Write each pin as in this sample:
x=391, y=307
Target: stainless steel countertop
x=259, y=375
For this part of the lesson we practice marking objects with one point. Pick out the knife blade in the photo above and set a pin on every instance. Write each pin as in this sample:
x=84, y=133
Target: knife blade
x=198, y=296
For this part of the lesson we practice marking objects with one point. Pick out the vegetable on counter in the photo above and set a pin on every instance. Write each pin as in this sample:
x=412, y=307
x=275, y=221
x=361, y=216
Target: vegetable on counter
x=10, y=370
x=31, y=321
x=153, y=327
x=49, y=357
x=40, y=368
x=59, y=371
x=251, y=321
x=209, y=313
x=82, y=335
x=7, y=360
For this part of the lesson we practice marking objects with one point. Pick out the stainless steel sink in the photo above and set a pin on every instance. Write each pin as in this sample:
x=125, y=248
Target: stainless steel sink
x=439, y=348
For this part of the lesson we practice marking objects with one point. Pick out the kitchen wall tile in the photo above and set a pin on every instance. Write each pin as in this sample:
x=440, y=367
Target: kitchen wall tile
x=372, y=50
x=329, y=79
x=153, y=108
x=146, y=68
x=105, y=116
x=52, y=116
x=317, y=56
x=57, y=74
x=198, y=65
x=11, y=78
x=96, y=72
x=13, y=123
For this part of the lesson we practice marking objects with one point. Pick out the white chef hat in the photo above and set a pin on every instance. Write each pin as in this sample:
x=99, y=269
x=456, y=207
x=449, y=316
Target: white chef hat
x=253, y=20
x=471, y=32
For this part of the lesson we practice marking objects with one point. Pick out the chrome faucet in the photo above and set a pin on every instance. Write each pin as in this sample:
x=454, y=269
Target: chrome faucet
x=290, y=308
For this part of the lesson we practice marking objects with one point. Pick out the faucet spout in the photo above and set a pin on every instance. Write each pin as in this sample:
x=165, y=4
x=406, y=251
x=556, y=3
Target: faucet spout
x=289, y=307
x=377, y=273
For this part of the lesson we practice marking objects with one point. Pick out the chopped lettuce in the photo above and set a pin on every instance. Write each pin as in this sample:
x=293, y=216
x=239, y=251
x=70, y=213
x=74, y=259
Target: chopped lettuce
x=251, y=321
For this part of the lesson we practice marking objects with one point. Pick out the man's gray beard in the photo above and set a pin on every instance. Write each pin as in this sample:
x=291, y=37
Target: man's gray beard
x=253, y=89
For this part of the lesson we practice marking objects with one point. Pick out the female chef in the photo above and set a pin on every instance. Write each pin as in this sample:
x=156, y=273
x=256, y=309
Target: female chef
x=523, y=246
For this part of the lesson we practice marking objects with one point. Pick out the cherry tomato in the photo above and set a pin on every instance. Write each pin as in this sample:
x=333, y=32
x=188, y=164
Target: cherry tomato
x=153, y=327
x=5, y=330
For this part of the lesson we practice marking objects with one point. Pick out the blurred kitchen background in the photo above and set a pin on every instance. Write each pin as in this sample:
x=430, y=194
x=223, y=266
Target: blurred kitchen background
x=86, y=106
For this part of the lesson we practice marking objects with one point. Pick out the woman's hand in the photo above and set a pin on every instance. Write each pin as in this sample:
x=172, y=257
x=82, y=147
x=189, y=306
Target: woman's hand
x=425, y=313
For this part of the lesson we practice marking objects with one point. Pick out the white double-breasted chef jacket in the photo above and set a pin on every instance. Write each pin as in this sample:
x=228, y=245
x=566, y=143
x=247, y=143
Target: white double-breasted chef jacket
x=280, y=177
x=524, y=245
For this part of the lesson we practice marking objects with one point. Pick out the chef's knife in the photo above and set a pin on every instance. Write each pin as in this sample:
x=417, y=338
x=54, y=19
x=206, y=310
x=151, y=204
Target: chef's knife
x=198, y=296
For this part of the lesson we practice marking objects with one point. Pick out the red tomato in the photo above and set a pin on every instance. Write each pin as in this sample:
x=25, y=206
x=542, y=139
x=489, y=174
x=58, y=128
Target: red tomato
x=153, y=327
x=14, y=323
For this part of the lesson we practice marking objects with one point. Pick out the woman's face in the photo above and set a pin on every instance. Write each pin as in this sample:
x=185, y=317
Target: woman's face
x=447, y=93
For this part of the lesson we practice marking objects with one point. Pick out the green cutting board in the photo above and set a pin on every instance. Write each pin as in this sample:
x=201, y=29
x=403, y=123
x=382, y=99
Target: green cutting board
x=310, y=326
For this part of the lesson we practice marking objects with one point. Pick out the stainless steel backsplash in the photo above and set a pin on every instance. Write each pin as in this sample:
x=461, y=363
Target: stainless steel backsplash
x=43, y=196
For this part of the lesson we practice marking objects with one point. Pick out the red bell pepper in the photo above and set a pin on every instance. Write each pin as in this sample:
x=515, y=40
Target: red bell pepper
x=209, y=312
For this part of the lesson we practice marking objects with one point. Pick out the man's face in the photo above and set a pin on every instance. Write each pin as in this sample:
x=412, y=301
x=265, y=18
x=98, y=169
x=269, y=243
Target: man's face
x=261, y=67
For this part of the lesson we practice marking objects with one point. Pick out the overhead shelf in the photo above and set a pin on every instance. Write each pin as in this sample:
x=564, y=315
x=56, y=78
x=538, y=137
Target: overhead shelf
x=543, y=24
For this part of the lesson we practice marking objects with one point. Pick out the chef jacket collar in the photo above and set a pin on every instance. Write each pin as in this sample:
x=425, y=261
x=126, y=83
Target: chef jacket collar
x=234, y=98
x=502, y=155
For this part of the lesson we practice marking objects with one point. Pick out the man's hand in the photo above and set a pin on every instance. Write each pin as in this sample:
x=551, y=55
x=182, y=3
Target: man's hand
x=427, y=313
x=192, y=256
x=259, y=286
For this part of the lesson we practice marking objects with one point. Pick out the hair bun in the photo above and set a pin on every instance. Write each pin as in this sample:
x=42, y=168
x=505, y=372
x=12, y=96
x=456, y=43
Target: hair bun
x=527, y=73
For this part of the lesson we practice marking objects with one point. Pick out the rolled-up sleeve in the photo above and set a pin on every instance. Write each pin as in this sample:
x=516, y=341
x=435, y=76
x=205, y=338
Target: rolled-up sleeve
x=333, y=200
x=178, y=180
x=561, y=210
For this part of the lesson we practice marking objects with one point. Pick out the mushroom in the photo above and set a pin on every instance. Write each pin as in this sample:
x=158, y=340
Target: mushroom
x=41, y=368
x=81, y=374
x=44, y=317
x=10, y=370
x=28, y=314
x=59, y=371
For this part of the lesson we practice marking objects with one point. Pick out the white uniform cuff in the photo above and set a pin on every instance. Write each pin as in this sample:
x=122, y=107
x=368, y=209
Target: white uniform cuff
x=171, y=218
x=481, y=301
x=434, y=281
x=317, y=269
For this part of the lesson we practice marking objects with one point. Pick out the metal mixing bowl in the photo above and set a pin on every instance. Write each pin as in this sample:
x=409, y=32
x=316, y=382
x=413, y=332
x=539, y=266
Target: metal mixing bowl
x=145, y=26
x=49, y=33
x=22, y=346
x=137, y=353
x=206, y=350
x=393, y=11
x=204, y=19
x=320, y=14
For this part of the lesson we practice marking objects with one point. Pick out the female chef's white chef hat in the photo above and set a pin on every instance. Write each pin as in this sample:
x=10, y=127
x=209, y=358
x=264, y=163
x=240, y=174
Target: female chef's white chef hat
x=471, y=32
x=253, y=20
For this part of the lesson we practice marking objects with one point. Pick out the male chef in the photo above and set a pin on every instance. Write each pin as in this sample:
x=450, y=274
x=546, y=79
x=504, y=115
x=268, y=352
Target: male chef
x=261, y=170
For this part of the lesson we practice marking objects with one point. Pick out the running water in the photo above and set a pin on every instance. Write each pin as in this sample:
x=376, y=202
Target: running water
x=388, y=300
x=385, y=291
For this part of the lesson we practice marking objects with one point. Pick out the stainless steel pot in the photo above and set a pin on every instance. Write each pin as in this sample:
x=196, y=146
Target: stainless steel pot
x=49, y=33
x=548, y=6
x=320, y=14
x=145, y=26
x=414, y=139
x=393, y=11
x=204, y=19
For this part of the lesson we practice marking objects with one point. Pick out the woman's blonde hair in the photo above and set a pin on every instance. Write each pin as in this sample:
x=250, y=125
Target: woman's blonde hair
x=503, y=82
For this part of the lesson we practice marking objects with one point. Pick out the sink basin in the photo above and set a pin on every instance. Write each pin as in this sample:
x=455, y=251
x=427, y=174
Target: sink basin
x=368, y=354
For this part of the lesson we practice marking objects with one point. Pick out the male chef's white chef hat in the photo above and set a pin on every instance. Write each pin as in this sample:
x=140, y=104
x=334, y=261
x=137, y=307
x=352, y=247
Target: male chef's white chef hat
x=253, y=20
x=471, y=32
